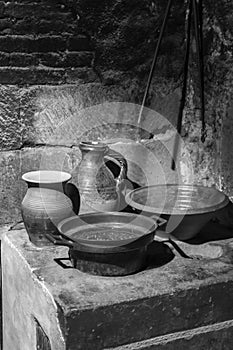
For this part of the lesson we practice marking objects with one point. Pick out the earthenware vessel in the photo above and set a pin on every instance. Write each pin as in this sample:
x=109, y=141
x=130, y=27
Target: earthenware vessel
x=99, y=189
x=48, y=200
x=108, y=244
x=186, y=207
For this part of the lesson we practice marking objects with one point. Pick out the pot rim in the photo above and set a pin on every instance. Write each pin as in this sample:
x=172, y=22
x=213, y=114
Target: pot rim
x=137, y=245
x=96, y=146
x=46, y=176
x=149, y=225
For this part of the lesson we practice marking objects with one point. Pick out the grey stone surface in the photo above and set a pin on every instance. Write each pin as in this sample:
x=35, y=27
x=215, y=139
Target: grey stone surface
x=28, y=299
x=34, y=115
x=188, y=298
x=227, y=150
x=213, y=337
x=11, y=127
x=9, y=186
x=56, y=112
x=4, y=229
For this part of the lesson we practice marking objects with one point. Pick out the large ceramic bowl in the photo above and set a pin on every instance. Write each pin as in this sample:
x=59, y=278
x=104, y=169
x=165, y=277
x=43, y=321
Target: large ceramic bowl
x=187, y=208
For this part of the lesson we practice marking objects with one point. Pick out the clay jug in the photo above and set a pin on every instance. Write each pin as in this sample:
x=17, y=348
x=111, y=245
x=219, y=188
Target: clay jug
x=99, y=189
x=48, y=200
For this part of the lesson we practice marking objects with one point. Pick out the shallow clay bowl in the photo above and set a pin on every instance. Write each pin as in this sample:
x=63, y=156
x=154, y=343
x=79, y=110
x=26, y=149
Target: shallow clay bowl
x=187, y=208
x=109, y=229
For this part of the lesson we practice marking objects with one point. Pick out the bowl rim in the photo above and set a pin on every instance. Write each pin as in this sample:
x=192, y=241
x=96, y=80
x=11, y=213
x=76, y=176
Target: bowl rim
x=159, y=211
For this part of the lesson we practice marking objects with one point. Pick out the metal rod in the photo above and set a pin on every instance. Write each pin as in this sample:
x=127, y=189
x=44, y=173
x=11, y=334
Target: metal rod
x=154, y=62
x=184, y=88
x=203, y=134
x=197, y=6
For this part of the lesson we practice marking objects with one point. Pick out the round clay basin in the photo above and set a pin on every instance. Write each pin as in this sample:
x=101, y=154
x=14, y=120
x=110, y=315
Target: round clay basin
x=187, y=208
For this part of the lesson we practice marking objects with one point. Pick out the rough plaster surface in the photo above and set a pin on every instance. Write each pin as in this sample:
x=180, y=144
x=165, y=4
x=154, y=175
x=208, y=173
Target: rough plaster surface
x=27, y=297
x=184, y=297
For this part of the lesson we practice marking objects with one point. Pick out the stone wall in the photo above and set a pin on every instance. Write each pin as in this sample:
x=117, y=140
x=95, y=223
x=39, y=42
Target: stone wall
x=41, y=43
x=58, y=57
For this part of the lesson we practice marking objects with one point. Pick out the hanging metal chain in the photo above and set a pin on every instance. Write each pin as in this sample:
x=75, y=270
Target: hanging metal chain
x=154, y=62
x=184, y=87
x=194, y=6
x=197, y=6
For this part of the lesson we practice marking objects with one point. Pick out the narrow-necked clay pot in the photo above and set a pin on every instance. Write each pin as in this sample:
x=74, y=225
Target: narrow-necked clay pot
x=48, y=200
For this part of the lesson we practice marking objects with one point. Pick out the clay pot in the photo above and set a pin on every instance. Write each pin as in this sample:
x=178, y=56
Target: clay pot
x=107, y=244
x=48, y=200
x=99, y=190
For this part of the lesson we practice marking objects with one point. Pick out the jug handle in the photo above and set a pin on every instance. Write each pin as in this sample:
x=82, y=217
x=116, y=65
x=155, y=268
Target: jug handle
x=73, y=193
x=122, y=162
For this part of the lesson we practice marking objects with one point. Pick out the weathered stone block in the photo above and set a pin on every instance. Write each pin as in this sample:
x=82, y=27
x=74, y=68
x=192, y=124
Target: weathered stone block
x=20, y=27
x=72, y=59
x=2, y=8
x=4, y=58
x=183, y=302
x=167, y=105
x=10, y=198
x=23, y=43
x=31, y=75
x=78, y=43
x=214, y=337
x=53, y=26
x=36, y=301
x=11, y=127
x=75, y=75
x=60, y=115
x=21, y=10
x=17, y=59
x=15, y=43
x=227, y=151
x=78, y=59
x=51, y=43
x=22, y=59
x=5, y=25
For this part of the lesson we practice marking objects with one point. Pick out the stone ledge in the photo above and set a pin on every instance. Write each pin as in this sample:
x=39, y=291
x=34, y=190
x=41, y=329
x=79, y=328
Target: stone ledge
x=3, y=230
x=214, y=337
x=96, y=312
